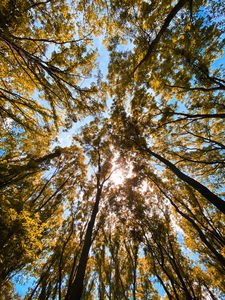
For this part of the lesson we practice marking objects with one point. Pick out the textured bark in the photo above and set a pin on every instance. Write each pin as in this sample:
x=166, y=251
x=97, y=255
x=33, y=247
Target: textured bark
x=203, y=190
x=76, y=290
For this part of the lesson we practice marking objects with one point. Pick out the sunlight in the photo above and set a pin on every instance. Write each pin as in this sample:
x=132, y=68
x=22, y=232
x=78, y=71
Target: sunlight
x=119, y=173
x=117, y=176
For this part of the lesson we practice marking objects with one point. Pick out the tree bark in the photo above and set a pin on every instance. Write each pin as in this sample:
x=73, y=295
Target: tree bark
x=76, y=290
x=202, y=236
x=165, y=25
x=14, y=173
x=203, y=190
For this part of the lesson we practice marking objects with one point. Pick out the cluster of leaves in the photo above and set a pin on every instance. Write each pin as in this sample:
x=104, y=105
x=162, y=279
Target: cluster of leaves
x=65, y=222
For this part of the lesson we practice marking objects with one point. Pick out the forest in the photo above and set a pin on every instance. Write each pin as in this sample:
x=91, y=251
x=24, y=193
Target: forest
x=112, y=149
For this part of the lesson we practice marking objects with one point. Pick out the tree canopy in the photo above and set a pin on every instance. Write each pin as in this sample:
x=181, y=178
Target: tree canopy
x=133, y=207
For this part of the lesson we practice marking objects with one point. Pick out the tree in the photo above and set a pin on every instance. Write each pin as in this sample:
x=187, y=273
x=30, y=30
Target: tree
x=41, y=71
x=98, y=148
x=134, y=207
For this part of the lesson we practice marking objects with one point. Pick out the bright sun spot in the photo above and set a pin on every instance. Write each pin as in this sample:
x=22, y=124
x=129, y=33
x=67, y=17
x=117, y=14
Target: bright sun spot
x=119, y=174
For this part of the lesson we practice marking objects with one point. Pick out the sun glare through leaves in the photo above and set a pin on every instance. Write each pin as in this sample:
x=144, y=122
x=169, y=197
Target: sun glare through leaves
x=121, y=170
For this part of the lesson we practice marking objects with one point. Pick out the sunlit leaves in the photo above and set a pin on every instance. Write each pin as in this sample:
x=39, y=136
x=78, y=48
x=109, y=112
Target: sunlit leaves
x=64, y=216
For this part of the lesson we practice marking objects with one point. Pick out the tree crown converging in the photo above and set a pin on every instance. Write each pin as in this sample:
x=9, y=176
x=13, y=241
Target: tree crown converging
x=133, y=206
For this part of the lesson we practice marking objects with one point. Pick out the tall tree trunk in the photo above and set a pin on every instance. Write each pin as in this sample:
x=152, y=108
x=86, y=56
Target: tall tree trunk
x=202, y=236
x=135, y=276
x=180, y=4
x=11, y=174
x=76, y=290
x=203, y=190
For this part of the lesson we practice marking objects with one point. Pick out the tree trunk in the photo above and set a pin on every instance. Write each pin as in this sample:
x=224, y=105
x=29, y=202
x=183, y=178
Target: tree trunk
x=76, y=289
x=180, y=4
x=203, y=190
x=202, y=236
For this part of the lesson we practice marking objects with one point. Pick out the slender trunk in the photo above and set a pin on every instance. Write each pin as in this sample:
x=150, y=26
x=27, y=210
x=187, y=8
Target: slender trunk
x=61, y=263
x=203, y=190
x=202, y=236
x=180, y=4
x=134, y=260
x=13, y=173
x=71, y=276
x=135, y=277
x=76, y=290
x=163, y=269
x=164, y=286
x=201, y=116
x=42, y=278
x=209, y=291
x=178, y=270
